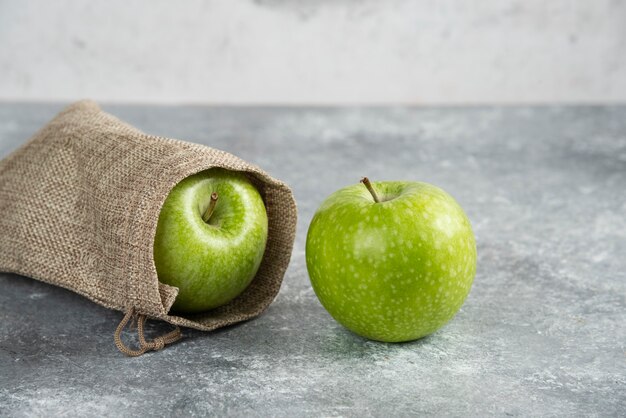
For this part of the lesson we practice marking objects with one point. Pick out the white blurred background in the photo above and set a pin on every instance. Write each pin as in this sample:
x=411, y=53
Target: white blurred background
x=314, y=52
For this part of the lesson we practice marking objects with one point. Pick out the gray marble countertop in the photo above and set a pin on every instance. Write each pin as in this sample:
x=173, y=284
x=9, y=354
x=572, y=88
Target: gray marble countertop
x=543, y=332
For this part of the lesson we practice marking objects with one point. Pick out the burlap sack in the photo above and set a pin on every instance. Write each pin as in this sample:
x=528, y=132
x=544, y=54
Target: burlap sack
x=79, y=205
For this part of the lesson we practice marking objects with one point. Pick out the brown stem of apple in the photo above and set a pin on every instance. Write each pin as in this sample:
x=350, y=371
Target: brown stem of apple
x=367, y=184
x=209, y=210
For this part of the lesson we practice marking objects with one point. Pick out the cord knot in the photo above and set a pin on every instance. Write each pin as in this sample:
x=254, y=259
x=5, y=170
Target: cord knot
x=158, y=343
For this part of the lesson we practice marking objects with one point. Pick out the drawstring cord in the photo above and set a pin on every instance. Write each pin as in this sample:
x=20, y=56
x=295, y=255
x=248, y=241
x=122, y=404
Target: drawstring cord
x=156, y=344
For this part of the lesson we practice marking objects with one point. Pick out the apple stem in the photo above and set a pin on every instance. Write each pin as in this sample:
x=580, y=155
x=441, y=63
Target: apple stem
x=209, y=210
x=367, y=184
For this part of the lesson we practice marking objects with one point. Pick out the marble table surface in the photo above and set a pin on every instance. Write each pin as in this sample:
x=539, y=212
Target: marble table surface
x=543, y=332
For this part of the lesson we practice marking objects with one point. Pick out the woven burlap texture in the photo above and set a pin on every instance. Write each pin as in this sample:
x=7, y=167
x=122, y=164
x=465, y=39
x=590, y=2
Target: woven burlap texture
x=79, y=205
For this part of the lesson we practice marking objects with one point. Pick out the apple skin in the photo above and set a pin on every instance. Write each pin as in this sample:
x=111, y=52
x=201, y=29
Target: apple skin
x=392, y=271
x=210, y=262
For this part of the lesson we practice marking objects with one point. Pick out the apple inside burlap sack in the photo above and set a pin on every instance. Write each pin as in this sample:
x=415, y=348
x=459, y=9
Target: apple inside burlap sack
x=79, y=205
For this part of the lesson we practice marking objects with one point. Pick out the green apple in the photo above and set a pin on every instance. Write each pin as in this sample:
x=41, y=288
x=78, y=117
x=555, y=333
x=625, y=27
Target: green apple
x=391, y=261
x=210, y=238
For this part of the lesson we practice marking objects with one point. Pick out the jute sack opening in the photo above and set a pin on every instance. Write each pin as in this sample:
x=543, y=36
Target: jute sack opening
x=79, y=205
